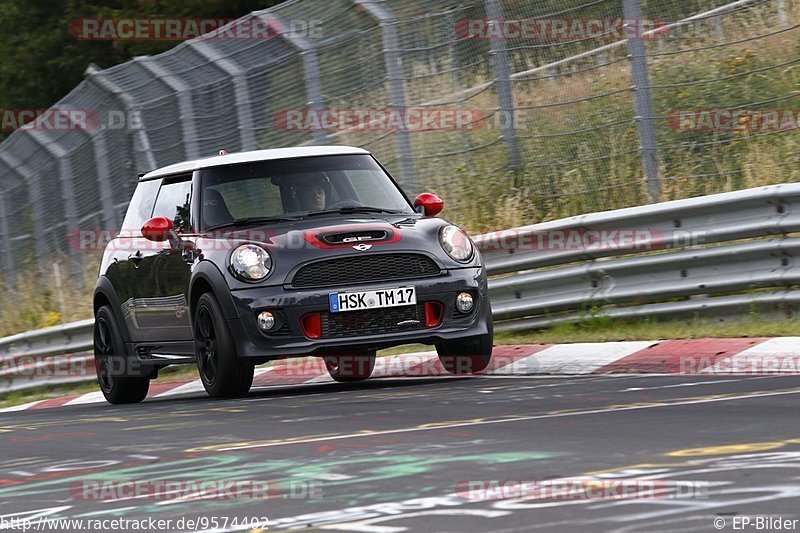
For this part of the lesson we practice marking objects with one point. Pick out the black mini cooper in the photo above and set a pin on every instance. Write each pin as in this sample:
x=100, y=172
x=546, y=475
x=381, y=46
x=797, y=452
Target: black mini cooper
x=236, y=260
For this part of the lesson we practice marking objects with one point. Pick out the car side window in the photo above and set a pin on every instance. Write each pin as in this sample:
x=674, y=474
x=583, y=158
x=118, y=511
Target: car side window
x=141, y=206
x=173, y=202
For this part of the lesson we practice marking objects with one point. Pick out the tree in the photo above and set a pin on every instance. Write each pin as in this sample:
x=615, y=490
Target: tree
x=40, y=61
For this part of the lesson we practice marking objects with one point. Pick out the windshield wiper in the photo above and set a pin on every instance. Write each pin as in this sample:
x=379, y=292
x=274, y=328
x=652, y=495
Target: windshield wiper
x=354, y=209
x=252, y=220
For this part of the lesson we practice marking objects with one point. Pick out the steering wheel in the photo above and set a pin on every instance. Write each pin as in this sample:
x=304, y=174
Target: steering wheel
x=345, y=203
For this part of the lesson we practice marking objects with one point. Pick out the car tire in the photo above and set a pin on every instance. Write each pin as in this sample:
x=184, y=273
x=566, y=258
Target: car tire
x=350, y=368
x=466, y=356
x=222, y=372
x=109, y=361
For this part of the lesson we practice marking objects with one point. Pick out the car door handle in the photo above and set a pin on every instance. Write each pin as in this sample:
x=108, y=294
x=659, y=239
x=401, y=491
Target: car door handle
x=136, y=258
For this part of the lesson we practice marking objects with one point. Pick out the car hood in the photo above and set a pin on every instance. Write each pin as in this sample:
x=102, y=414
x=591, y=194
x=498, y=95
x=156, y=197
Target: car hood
x=292, y=244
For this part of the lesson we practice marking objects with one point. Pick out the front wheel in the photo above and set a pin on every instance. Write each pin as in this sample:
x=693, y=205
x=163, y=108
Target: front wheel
x=111, y=361
x=466, y=356
x=350, y=368
x=223, y=374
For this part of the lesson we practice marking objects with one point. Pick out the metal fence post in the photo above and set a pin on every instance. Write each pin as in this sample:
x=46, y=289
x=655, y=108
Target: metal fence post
x=311, y=74
x=502, y=80
x=244, y=113
x=104, y=179
x=783, y=16
x=35, y=195
x=9, y=273
x=394, y=76
x=66, y=178
x=96, y=76
x=181, y=89
x=640, y=77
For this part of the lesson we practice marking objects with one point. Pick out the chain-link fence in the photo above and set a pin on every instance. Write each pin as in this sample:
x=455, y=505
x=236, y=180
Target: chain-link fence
x=514, y=111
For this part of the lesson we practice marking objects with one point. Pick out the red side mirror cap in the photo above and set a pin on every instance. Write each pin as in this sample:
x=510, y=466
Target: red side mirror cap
x=157, y=229
x=432, y=205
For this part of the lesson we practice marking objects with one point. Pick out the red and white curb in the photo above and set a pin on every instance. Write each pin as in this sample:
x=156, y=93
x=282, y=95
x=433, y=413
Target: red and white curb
x=779, y=356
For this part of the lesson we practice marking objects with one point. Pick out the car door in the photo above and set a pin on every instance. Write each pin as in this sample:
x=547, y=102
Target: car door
x=122, y=252
x=162, y=277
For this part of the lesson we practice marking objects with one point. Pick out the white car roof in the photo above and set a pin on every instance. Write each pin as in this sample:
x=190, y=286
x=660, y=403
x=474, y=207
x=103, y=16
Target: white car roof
x=250, y=157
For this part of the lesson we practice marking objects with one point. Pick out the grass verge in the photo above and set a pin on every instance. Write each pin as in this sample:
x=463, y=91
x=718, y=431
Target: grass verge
x=606, y=330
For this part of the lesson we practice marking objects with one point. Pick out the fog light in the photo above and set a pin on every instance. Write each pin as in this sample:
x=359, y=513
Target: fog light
x=266, y=320
x=464, y=302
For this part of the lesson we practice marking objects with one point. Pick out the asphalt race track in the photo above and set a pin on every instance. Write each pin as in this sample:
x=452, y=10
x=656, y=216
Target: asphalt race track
x=395, y=455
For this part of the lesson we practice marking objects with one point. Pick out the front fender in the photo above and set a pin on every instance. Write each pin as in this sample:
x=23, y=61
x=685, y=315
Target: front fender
x=206, y=275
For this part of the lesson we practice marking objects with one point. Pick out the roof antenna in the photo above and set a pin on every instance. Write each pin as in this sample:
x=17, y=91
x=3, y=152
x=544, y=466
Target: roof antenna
x=223, y=152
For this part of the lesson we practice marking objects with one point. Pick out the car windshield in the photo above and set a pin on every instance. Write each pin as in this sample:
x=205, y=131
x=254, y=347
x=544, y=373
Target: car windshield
x=284, y=189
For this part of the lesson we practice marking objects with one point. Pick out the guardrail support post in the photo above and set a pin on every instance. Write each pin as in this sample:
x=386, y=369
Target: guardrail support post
x=783, y=16
x=96, y=76
x=35, y=195
x=66, y=178
x=640, y=77
x=308, y=53
x=502, y=80
x=394, y=75
x=181, y=90
x=241, y=93
x=9, y=273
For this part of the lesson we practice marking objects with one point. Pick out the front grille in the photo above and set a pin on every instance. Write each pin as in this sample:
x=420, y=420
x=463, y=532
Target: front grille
x=364, y=269
x=372, y=321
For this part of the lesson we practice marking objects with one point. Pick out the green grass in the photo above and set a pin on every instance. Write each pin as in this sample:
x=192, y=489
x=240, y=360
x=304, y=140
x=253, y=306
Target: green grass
x=604, y=330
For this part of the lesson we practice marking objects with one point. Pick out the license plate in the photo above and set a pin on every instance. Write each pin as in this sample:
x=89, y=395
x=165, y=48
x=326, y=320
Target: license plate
x=356, y=301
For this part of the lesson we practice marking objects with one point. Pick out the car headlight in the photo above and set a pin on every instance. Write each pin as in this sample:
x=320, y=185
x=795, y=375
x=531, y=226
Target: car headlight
x=456, y=243
x=251, y=262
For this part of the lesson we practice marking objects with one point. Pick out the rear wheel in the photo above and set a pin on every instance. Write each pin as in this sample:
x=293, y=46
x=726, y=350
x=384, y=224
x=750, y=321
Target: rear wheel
x=223, y=374
x=110, y=362
x=466, y=356
x=350, y=368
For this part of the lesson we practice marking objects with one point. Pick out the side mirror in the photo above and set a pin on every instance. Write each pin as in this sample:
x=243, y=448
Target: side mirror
x=157, y=229
x=431, y=204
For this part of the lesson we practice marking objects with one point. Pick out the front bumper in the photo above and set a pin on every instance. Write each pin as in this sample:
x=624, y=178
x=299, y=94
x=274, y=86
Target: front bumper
x=292, y=304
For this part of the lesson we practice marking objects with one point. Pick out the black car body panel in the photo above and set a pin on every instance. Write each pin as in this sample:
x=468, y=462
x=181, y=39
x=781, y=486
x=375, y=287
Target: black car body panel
x=154, y=287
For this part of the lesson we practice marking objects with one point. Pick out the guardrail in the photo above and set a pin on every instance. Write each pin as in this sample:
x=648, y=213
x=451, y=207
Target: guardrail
x=730, y=254
x=49, y=356
x=674, y=258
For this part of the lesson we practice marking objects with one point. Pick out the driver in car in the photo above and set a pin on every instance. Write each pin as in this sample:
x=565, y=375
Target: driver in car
x=312, y=192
